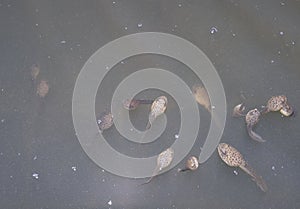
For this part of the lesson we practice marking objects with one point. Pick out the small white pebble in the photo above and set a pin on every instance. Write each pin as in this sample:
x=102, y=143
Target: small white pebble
x=106, y=67
x=103, y=170
x=103, y=180
x=35, y=157
x=282, y=3
x=109, y=202
x=122, y=62
x=74, y=168
x=113, y=2
x=139, y=25
x=36, y=24
x=19, y=154
x=131, y=129
x=281, y=33
x=233, y=34
x=273, y=168
x=99, y=122
x=176, y=136
x=213, y=30
x=35, y=175
x=179, y=5
x=282, y=166
x=2, y=120
x=125, y=28
x=63, y=42
x=235, y=172
x=293, y=42
x=3, y=89
x=272, y=61
x=213, y=107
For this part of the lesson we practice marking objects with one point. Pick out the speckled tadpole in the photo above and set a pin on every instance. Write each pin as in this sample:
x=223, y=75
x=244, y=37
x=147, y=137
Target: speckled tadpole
x=234, y=158
x=164, y=159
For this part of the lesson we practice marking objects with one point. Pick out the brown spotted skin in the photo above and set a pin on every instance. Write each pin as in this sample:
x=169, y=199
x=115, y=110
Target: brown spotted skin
x=287, y=110
x=164, y=159
x=275, y=103
x=42, y=88
x=201, y=96
x=158, y=107
x=191, y=164
x=252, y=118
x=105, y=121
x=232, y=157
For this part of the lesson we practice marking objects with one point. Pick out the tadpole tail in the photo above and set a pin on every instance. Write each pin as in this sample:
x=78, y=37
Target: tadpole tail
x=265, y=110
x=145, y=101
x=150, y=121
x=258, y=179
x=254, y=135
x=155, y=172
x=183, y=170
x=148, y=126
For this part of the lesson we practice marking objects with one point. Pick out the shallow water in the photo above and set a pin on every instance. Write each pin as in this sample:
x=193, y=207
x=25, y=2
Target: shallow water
x=254, y=48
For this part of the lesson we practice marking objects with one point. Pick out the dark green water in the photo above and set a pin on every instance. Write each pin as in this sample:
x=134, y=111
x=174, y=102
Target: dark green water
x=255, y=50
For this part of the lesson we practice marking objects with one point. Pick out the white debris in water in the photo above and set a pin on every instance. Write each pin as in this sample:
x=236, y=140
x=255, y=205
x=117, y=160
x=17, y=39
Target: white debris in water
x=282, y=166
x=109, y=202
x=139, y=25
x=35, y=175
x=235, y=172
x=213, y=30
x=34, y=157
x=281, y=33
x=106, y=67
x=272, y=61
x=103, y=180
x=233, y=34
x=131, y=129
x=113, y=2
x=125, y=28
x=19, y=154
x=176, y=136
x=282, y=3
x=63, y=42
x=2, y=120
x=74, y=168
x=179, y=5
x=103, y=170
x=293, y=42
x=273, y=168
x=99, y=122
x=213, y=107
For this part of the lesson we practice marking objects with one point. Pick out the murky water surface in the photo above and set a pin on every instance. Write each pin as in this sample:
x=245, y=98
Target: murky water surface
x=254, y=47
